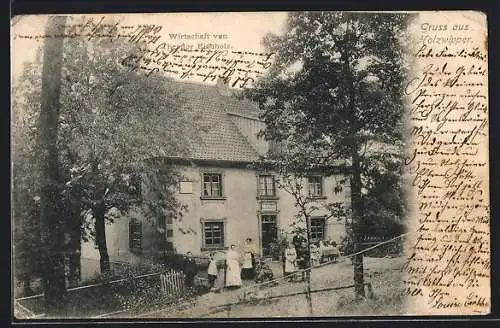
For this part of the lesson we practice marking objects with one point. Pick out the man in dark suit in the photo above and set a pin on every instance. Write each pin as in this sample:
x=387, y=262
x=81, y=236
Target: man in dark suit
x=189, y=269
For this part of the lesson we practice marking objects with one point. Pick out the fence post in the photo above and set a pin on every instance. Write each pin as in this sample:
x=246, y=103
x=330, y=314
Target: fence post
x=161, y=283
x=178, y=283
x=172, y=282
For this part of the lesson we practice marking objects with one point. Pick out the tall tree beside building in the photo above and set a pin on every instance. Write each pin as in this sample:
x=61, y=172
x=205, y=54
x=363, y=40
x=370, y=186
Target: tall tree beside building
x=118, y=123
x=336, y=85
x=115, y=123
x=51, y=220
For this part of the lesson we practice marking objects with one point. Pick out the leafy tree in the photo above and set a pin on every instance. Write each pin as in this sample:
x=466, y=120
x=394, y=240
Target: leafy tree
x=25, y=204
x=118, y=123
x=336, y=84
x=115, y=125
x=384, y=195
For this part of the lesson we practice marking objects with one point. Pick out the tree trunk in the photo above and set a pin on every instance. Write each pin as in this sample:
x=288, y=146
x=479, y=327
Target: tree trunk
x=74, y=263
x=356, y=217
x=100, y=237
x=51, y=222
x=74, y=260
x=74, y=223
x=356, y=169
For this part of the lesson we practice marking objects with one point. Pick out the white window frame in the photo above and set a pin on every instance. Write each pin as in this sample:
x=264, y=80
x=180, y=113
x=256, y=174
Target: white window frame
x=221, y=184
x=259, y=184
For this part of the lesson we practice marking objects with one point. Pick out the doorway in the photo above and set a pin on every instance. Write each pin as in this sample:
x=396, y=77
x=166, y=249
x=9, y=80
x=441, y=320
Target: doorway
x=269, y=232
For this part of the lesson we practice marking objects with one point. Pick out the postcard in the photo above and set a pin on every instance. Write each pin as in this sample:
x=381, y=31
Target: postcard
x=250, y=165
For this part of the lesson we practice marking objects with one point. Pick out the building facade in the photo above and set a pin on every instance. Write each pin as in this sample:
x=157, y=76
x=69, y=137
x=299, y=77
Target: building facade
x=227, y=200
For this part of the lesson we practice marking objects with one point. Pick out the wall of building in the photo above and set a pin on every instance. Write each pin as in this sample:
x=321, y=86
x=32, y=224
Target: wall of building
x=335, y=229
x=240, y=208
x=117, y=239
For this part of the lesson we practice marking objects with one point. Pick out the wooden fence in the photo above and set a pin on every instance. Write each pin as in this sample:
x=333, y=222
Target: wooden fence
x=172, y=282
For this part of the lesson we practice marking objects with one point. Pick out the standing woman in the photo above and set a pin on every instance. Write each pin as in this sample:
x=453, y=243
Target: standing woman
x=290, y=258
x=233, y=271
x=248, y=268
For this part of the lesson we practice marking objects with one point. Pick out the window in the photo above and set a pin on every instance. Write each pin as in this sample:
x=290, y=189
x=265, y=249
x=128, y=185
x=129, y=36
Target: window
x=213, y=234
x=266, y=186
x=170, y=233
x=317, y=229
x=135, y=235
x=162, y=223
x=162, y=226
x=275, y=147
x=169, y=246
x=212, y=185
x=315, y=186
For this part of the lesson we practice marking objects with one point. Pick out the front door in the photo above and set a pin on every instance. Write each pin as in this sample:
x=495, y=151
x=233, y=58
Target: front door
x=269, y=232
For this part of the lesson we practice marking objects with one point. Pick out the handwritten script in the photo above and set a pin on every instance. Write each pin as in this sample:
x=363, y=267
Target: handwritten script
x=448, y=264
x=202, y=57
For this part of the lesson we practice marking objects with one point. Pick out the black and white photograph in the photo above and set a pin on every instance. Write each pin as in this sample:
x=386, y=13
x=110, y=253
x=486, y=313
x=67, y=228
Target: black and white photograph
x=249, y=165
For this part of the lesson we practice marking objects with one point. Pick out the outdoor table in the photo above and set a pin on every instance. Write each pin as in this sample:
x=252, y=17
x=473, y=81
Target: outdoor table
x=329, y=252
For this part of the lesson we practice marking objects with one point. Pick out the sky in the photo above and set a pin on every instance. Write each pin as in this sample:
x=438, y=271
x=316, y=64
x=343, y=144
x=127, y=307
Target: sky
x=244, y=30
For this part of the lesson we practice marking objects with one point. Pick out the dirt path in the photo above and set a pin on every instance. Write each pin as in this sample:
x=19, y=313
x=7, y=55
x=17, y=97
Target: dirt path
x=325, y=303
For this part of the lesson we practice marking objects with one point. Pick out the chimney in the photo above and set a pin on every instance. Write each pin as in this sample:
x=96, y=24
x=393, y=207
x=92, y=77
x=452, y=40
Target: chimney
x=223, y=87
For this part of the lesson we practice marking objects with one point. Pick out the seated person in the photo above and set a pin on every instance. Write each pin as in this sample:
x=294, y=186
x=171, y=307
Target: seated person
x=322, y=244
x=315, y=254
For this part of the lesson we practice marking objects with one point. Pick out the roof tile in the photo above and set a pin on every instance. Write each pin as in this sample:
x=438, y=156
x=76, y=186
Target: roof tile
x=223, y=140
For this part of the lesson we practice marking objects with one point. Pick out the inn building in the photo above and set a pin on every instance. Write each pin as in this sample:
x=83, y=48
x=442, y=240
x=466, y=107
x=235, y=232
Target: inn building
x=227, y=200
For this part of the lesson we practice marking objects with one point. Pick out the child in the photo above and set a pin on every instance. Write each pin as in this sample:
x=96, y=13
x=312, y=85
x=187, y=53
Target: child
x=315, y=254
x=212, y=271
x=290, y=257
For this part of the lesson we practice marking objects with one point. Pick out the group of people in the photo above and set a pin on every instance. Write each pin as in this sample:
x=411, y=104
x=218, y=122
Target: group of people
x=324, y=250
x=247, y=266
x=252, y=267
x=239, y=267
x=295, y=258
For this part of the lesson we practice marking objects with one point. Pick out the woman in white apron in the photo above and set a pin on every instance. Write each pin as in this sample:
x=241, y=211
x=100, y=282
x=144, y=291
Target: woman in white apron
x=290, y=258
x=233, y=271
x=248, y=268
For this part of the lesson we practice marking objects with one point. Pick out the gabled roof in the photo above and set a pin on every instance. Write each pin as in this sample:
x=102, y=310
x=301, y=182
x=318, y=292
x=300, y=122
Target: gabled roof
x=223, y=141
